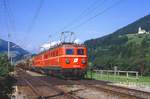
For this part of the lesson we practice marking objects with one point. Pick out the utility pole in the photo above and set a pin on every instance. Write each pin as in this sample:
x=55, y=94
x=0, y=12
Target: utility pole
x=8, y=53
x=11, y=60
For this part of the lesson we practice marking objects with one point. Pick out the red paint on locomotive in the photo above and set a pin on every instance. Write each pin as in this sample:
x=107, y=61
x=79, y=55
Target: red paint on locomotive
x=64, y=56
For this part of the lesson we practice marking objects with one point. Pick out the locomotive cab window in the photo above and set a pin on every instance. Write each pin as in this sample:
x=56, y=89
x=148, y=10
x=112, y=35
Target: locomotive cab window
x=69, y=51
x=80, y=52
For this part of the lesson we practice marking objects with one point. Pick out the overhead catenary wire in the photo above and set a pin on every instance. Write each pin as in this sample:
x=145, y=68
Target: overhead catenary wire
x=98, y=14
x=85, y=12
x=88, y=12
x=7, y=27
x=6, y=14
x=37, y=12
x=32, y=24
x=9, y=24
x=11, y=20
x=82, y=14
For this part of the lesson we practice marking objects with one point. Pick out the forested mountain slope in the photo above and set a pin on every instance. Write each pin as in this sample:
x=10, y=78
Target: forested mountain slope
x=123, y=48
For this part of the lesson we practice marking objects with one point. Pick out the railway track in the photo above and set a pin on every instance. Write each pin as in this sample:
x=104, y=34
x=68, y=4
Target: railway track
x=92, y=84
x=107, y=87
x=33, y=84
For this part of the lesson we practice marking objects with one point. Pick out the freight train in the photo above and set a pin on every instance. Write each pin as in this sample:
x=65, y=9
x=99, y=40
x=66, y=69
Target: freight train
x=68, y=60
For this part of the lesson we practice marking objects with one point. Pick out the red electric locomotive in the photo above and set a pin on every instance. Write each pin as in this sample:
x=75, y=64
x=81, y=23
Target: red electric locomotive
x=66, y=59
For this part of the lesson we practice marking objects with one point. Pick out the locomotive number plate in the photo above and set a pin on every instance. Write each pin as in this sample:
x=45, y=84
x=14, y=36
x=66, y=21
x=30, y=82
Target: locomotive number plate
x=75, y=60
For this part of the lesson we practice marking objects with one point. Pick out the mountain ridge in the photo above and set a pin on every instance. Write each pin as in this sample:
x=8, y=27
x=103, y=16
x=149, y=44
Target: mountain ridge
x=15, y=50
x=131, y=28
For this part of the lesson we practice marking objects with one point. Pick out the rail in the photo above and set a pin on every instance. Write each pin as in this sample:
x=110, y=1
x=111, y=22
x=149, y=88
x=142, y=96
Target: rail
x=44, y=83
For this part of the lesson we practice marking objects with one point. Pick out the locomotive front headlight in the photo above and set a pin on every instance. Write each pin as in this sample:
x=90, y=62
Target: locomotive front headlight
x=67, y=61
x=83, y=61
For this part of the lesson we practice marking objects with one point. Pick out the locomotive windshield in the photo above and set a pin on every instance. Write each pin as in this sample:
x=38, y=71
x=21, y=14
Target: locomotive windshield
x=80, y=52
x=69, y=51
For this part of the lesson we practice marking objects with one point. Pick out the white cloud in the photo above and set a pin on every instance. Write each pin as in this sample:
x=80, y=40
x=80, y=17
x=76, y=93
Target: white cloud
x=78, y=41
x=48, y=45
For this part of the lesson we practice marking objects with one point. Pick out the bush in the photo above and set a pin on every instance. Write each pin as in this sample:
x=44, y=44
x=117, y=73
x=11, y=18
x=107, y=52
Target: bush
x=6, y=81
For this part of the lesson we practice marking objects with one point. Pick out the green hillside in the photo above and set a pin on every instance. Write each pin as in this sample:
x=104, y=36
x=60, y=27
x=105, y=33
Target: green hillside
x=123, y=48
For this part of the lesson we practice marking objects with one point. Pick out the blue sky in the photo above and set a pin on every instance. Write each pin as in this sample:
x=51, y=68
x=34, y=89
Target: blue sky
x=55, y=14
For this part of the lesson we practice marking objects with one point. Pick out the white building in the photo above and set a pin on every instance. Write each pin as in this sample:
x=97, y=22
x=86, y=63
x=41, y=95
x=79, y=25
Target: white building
x=141, y=31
